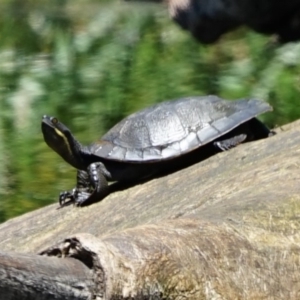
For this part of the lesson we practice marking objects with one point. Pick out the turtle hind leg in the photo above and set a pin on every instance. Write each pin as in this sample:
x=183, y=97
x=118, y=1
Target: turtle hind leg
x=229, y=143
x=252, y=130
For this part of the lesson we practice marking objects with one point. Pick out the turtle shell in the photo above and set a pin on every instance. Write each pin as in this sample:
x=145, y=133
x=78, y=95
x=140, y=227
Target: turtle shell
x=172, y=128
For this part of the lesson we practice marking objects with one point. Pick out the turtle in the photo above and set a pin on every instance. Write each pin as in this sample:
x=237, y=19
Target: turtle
x=153, y=140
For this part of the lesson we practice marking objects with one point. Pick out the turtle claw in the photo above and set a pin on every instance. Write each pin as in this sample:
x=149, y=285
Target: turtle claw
x=78, y=198
x=66, y=198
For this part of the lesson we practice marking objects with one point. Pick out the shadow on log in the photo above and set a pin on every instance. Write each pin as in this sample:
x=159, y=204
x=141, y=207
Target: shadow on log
x=225, y=228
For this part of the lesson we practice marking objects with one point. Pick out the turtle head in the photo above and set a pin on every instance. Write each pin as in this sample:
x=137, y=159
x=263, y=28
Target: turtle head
x=60, y=139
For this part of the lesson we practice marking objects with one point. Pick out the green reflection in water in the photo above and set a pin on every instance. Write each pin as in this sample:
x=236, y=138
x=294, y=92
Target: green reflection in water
x=90, y=63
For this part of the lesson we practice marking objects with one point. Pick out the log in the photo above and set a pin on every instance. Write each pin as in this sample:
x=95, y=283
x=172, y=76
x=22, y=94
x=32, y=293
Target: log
x=29, y=276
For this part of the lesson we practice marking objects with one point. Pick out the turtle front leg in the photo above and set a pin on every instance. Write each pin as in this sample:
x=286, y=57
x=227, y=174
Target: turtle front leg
x=97, y=188
x=91, y=186
x=81, y=191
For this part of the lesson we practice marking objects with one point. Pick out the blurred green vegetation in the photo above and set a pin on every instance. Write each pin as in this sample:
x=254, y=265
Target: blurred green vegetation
x=90, y=63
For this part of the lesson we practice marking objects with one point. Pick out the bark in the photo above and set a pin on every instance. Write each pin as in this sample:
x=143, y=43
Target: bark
x=225, y=228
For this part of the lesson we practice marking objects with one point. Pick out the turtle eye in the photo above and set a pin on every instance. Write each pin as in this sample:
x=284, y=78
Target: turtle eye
x=54, y=120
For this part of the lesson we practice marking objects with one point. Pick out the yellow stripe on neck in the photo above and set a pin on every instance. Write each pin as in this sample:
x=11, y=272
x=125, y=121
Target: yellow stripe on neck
x=65, y=139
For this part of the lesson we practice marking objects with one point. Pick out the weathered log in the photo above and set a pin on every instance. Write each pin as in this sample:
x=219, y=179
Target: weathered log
x=29, y=276
x=226, y=227
x=185, y=259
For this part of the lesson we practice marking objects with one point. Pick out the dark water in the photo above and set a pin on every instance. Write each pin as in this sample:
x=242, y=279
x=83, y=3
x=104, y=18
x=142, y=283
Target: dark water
x=90, y=63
